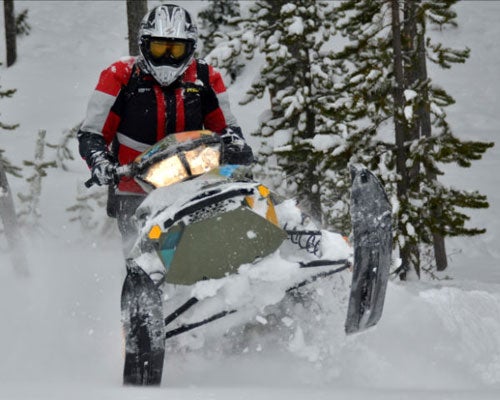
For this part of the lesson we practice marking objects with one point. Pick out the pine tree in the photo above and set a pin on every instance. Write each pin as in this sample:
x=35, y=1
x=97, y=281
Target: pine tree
x=63, y=151
x=89, y=210
x=23, y=28
x=30, y=202
x=300, y=133
x=217, y=19
x=218, y=34
x=370, y=102
x=8, y=215
x=388, y=83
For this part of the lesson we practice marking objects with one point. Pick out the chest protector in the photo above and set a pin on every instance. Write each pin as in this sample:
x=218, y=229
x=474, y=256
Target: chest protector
x=148, y=112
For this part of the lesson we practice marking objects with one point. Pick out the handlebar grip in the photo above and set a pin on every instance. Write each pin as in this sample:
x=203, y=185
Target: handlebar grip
x=120, y=172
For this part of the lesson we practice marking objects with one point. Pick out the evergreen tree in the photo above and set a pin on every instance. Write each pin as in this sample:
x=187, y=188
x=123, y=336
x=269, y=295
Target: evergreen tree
x=300, y=134
x=386, y=83
x=217, y=19
x=30, y=211
x=371, y=102
x=5, y=164
x=23, y=28
x=8, y=215
x=63, y=150
x=218, y=34
x=89, y=210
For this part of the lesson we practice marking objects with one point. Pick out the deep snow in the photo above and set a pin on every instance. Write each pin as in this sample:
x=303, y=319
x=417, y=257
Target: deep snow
x=60, y=334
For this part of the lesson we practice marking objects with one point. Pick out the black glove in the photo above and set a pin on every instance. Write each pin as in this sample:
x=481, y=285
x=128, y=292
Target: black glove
x=103, y=168
x=235, y=149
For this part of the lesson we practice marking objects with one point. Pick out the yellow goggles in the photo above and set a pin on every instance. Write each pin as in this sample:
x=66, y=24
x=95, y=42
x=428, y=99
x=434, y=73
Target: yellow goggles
x=160, y=48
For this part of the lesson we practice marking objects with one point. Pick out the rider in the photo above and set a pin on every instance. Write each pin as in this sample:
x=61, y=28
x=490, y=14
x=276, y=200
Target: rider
x=140, y=100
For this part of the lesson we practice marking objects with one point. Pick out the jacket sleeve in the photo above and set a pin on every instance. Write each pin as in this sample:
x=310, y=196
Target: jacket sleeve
x=101, y=122
x=219, y=115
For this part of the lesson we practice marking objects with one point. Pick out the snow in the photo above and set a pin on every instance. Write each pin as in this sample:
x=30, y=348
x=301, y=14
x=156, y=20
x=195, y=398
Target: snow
x=408, y=111
x=296, y=27
x=61, y=334
x=322, y=142
x=436, y=109
x=410, y=94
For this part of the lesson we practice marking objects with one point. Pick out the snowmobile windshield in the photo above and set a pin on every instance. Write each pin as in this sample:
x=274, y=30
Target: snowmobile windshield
x=177, y=157
x=183, y=165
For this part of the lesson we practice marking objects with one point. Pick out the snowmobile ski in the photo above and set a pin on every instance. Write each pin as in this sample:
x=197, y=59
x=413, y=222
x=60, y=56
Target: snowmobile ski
x=372, y=241
x=144, y=327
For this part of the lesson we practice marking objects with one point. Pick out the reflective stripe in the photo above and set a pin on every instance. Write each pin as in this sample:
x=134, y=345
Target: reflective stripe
x=97, y=112
x=226, y=109
x=133, y=144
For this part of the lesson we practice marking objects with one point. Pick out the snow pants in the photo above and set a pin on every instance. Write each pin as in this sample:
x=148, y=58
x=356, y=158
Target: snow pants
x=126, y=205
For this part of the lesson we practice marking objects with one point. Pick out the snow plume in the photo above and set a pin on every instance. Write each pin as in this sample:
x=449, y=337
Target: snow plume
x=467, y=319
x=447, y=342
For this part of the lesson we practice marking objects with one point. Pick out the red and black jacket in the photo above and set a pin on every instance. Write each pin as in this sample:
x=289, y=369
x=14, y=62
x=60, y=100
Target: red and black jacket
x=130, y=111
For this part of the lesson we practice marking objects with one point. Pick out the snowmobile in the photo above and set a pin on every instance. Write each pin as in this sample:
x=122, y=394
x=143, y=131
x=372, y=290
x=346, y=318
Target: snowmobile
x=205, y=222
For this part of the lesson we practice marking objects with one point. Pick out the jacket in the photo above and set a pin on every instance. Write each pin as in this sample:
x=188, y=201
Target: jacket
x=129, y=111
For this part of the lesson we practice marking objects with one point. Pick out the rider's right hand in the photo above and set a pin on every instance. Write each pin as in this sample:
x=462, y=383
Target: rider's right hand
x=103, y=168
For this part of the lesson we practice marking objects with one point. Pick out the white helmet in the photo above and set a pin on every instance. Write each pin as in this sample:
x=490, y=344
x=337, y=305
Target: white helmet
x=167, y=41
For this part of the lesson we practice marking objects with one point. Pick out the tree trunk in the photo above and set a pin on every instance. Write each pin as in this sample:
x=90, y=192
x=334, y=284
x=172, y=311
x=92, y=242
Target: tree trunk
x=398, y=96
x=10, y=226
x=136, y=10
x=400, y=128
x=412, y=131
x=10, y=31
x=426, y=129
x=411, y=78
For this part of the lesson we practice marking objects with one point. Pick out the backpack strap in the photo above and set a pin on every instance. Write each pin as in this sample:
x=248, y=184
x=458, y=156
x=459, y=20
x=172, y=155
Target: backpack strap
x=202, y=73
x=131, y=87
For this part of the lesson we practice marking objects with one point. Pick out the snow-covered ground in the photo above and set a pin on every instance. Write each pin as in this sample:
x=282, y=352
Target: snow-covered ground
x=60, y=335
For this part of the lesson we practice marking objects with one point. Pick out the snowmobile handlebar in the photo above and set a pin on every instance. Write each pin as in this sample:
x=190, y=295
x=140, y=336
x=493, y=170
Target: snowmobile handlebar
x=120, y=172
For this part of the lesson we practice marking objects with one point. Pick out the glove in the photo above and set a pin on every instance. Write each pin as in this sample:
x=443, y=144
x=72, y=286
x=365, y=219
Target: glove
x=103, y=168
x=235, y=149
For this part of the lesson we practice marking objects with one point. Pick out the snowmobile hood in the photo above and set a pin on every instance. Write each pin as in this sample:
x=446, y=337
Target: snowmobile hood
x=164, y=203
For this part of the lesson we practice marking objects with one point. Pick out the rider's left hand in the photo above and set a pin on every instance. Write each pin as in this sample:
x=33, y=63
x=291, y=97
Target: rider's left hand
x=236, y=150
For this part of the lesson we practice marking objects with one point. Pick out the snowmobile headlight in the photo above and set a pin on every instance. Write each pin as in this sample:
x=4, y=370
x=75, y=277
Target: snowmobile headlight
x=166, y=172
x=202, y=159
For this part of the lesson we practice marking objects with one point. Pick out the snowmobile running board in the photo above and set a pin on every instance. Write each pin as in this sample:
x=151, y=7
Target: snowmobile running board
x=193, y=300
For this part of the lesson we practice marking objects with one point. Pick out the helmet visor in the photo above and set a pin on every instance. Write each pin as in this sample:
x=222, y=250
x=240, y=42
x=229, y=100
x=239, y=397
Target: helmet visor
x=167, y=51
x=159, y=48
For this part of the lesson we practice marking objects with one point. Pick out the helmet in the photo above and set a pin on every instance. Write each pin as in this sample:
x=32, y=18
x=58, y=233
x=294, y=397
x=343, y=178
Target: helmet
x=167, y=41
